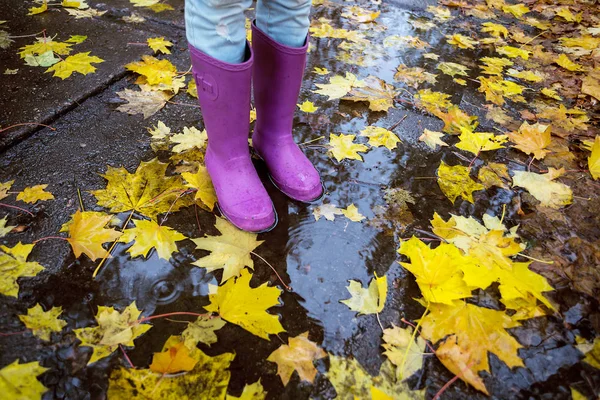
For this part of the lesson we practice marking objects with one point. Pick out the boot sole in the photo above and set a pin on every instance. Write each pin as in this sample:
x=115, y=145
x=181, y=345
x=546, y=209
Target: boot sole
x=224, y=215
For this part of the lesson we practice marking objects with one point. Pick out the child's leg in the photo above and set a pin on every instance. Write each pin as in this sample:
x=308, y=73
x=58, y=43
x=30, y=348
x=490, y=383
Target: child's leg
x=222, y=67
x=217, y=28
x=285, y=21
x=279, y=40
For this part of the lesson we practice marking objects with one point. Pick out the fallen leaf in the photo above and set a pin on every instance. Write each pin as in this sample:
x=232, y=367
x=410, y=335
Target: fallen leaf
x=80, y=62
x=564, y=61
x=456, y=121
x=114, y=329
x=476, y=142
x=370, y=300
x=297, y=356
x=379, y=136
x=4, y=230
x=469, y=332
x=149, y=234
x=494, y=174
x=461, y=41
x=452, y=69
x=379, y=94
x=148, y=191
x=146, y=103
x=43, y=323
x=230, y=251
x=590, y=84
x=432, y=139
x=329, y=211
x=4, y=188
x=516, y=9
x=236, y=302
x=189, y=139
x=34, y=194
x=159, y=44
x=543, y=188
x=532, y=139
x=154, y=70
x=320, y=71
x=343, y=146
x=87, y=232
x=307, y=107
x=202, y=331
x=455, y=181
x=254, y=391
x=339, y=86
x=402, y=350
x=173, y=358
x=594, y=159
x=351, y=212
x=496, y=30
x=44, y=45
x=14, y=265
x=205, y=191
x=514, y=52
x=19, y=381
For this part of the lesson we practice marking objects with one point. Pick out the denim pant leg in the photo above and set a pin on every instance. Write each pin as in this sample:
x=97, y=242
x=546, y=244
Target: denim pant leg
x=217, y=28
x=285, y=21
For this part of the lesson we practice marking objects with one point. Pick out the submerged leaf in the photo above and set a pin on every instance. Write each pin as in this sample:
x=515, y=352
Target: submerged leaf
x=455, y=181
x=370, y=300
x=297, y=356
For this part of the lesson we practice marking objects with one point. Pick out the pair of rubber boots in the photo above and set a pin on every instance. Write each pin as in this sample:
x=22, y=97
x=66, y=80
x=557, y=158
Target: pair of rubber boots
x=224, y=96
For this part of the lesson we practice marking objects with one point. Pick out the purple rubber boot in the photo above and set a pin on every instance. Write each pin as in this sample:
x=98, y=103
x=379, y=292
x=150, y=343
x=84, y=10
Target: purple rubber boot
x=224, y=95
x=278, y=71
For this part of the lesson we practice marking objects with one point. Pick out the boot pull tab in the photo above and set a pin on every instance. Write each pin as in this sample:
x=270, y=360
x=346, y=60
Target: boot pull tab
x=206, y=86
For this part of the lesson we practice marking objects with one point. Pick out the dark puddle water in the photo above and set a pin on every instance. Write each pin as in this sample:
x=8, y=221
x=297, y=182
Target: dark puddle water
x=316, y=258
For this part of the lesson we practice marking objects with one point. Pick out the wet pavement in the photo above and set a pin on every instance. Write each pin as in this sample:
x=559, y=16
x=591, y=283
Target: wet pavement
x=316, y=258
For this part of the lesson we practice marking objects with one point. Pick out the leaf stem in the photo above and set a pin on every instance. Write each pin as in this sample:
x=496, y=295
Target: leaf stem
x=288, y=288
x=26, y=123
x=412, y=340
x=50, y=237
x=126, y=356
x=168, y=315
x=16, y=208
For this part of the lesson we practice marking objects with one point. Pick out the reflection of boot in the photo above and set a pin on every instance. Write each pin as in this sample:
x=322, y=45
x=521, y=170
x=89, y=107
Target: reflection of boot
x=278, y=71
x=224, y=95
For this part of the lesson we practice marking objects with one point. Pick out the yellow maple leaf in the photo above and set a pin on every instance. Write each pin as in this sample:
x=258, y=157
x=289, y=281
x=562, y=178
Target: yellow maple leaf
x=236, y=302
x=159, y=44
x=114, y=328
x=320, y=71
x=160, y=7
x=154, y=70
x=455, y=181
x=4, y=188
x=207, y=380
x=469, y=332
x=432, y=138
x=402, y=350
x=476, y=142
x=594, y=159
x=351, y=381
x=351, y=212
x=87, y=233
x=43, y=45
x=517, y=9
x=147, y=191
x=192, y=89
x=496, y=30
x=379, y=94
x=343, y=146
x=543, y=188
x=43, y=323
x=14, y=265
x=370, y=300
x=205, y=191
x=532, y=139
x=322, y=29
x=175, y=357
x=80, y=62
x=414, y=76
x=189, y=139
x=531, y=76
x=450, y=68
x=493, y=174
x=586, y=42
x=434, y=102
x=35, y=193
x=494, y=65
x=18, y=381
x=38, y=10
x=461, y=41
x=4, y=230
x=590, y=84
x=338, y=86
x=297, y=356
x=551, y=93
x=496, y=88
x=360, y=14
x=456, y=121
x=437, y=271
x=379, y=136
x=202, y=331
x=148, y=235
x=514, y=52
x=307, y=107
x=568, y=16
x=564, y=61
x=230, y=251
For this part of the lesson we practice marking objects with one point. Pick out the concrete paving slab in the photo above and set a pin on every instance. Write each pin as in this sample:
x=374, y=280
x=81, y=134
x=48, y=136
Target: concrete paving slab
x=32, y=96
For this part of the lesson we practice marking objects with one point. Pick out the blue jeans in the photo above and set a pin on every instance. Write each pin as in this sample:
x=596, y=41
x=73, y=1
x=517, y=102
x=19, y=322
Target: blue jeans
x=217, y=27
